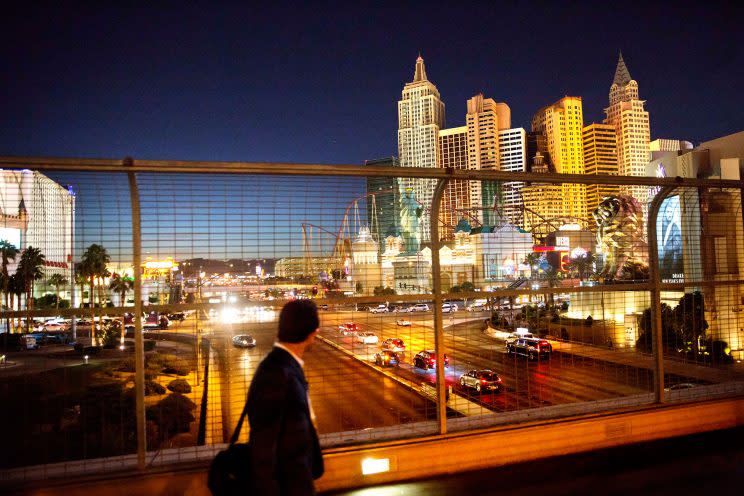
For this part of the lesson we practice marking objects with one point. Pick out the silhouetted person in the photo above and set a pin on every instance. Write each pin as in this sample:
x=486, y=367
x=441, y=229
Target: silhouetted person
x=285, y=452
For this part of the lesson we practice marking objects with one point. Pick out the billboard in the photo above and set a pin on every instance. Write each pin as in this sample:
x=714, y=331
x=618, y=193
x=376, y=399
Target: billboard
x=669, y=239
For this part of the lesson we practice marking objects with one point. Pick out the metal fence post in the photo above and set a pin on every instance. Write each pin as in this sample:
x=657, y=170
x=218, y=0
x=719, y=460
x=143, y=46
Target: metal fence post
x=655, y=280
x=436, y=284
x=139, y=342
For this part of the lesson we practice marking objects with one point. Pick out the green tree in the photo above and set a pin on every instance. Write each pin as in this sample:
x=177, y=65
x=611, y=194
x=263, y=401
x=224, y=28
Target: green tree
x=81, y=279
x=8, y=252
x=31, y=270
x=121, y=285
x=533, y=260
x=669, y=335
x=582, y=265
x=553, y=277
x=689, y=319
x=15, y=290
x=57, y=280
x=93, y=264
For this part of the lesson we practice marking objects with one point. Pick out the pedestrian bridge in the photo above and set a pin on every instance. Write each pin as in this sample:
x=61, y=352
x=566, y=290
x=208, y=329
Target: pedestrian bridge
x=141, y=404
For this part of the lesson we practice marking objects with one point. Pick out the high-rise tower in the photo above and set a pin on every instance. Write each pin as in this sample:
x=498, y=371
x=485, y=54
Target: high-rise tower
x=485, y=118
x=630, y=120
x=600, y=157
x=420, y=117
x=562, y=124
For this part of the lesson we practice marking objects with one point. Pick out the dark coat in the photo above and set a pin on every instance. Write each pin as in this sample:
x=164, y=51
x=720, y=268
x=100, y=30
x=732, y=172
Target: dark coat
x=285, y=452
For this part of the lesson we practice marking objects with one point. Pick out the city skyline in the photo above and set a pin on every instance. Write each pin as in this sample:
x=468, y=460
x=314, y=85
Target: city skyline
x=282, y=91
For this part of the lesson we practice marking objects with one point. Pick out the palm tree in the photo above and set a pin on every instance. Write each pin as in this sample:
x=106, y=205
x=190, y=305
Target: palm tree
x=121, y=285
x=81, y=278
x=532, y=260
x=8, y=252
x=93, y=263
x=30, y=268
x=552, y=276
x=582, y=264
x=15, y=289
x=57, y=280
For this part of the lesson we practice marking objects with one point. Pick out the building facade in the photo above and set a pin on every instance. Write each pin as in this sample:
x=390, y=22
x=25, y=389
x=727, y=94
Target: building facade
x=457, y=200
x=420, y=117
x=512, y=158
x=600, y=157
x=627, y=115
x=37, y=212
x=562, y=123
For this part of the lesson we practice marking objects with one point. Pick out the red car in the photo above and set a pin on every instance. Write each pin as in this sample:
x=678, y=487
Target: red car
x=427, y=359
x=394, y=344
x=349, y=328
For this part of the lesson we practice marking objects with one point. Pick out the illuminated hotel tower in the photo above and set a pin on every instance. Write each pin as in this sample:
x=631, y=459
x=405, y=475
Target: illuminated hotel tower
x=420, y=117
x=562, y=123
x=600, y=157
x=484, y=120
x=456, y=200
x=630, y=121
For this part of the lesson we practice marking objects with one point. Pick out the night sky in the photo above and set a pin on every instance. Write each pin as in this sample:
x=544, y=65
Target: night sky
x=320, y=84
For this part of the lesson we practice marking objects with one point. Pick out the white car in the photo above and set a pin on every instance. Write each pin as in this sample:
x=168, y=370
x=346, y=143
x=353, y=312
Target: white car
x=419, y=307
x=449, y=307
x=380, y=309
x=367, y=338
x=56, y=325
x=403, y=322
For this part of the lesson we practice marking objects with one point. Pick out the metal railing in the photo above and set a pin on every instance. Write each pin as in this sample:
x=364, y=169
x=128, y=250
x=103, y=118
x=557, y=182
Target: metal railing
x=618, y=373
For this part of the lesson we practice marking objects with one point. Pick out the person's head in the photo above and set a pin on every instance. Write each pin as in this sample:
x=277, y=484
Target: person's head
x=297, y=320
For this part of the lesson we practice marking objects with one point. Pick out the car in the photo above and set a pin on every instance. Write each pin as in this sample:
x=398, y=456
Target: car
x=179, y=316
x=380, y=309
x=419, y=307
x=394, y=344
x=481, y=380
x=17, y=342
x=150, y=326
x=367, y=337
x=403, y=322
x=427, y=359
x=402, y=309
x=348, y=328
x=477, y=306
x=244, y=341
x=532, y=348
x=449, y=307
x=56, y=325
x=387, y=358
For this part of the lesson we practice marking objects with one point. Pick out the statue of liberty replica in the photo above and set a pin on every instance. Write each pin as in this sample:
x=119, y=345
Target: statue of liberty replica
x=410, y=211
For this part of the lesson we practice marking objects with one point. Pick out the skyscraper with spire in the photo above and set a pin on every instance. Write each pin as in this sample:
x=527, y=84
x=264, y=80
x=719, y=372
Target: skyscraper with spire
x=627, y=115
x=420, y=117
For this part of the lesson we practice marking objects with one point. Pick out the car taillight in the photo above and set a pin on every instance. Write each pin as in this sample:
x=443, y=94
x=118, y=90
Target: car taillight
x=432, y=360
x=498, y=380
x=483, y=381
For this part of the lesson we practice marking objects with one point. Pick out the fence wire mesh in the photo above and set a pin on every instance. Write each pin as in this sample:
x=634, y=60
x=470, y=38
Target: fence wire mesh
x=546, y=305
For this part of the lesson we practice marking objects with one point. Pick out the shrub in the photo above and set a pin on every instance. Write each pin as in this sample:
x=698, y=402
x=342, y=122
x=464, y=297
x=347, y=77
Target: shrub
x=152, y=387
x=179, y=386
x=589, y=321
x=172, y=414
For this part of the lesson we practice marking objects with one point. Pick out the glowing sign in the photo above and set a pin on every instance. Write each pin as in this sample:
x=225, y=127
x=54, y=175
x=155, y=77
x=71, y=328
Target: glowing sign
x=562, y=241
x=159, y=265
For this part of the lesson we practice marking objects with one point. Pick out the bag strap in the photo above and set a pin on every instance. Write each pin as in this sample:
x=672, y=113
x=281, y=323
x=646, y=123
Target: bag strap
x=236, y=434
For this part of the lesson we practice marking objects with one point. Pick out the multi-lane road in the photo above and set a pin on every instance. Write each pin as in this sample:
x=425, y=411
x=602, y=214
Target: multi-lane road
x=350, y=394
